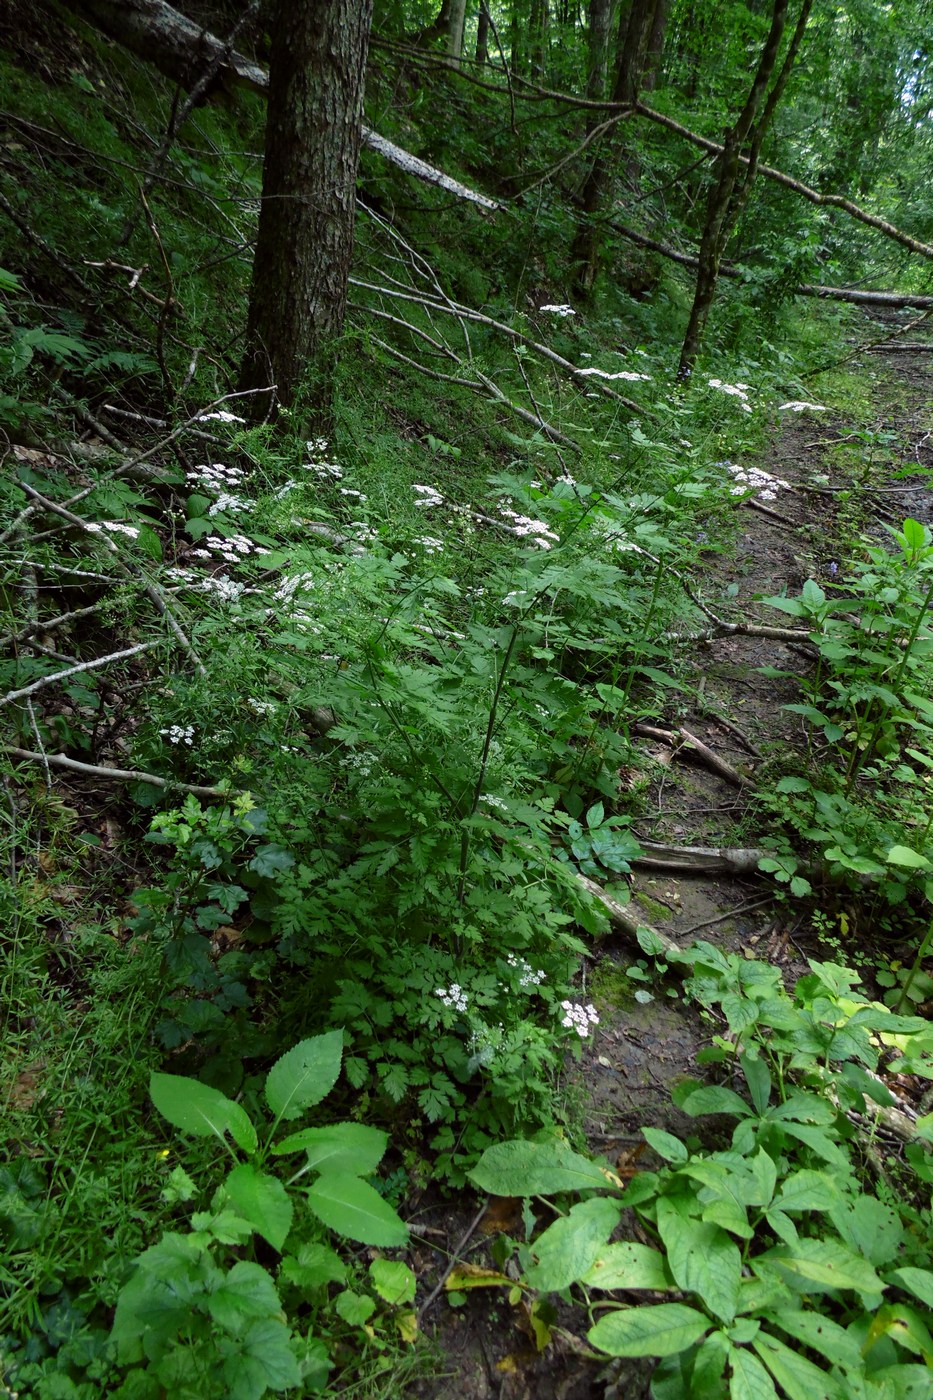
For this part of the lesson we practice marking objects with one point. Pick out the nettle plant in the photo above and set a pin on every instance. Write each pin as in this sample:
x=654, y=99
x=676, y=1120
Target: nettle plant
x=869, y=699
x=200, y=1316
x=780, y=1272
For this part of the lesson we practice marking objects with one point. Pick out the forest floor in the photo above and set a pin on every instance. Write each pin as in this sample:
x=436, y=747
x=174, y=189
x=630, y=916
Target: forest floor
x=838, y=484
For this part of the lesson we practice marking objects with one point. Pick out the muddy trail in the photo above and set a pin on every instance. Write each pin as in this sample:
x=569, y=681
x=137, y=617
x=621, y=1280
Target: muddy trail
x=833, y=483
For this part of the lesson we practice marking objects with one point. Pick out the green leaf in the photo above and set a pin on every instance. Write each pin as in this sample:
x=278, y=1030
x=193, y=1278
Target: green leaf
x=246, y=1292
x=919, y=1282
x=352, y=1208
x=820, y=1334
x=807, y=1190
x=798, y=1377
x=303, y=1076
x=535, y=1169
x=312, y=1267
x=903, y=1325
x=569, y=1247
x=659, y=1330
x=666, y=1145
x=393, y=1281
x=821, y=1266
x=702, y=1258
x=350, y=1147
x=266, y=1362
x=198, y=1109
x=758, y=1080
x=750, y=1380
x=903, y=855
x=628, y=1265
x=263, y=1201
x=354, y=1308
x=715, y=1098
x=271, y=860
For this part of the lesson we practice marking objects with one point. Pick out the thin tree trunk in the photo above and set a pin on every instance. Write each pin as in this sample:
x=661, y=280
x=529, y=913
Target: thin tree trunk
x=656, y=45
x=727, y=196
x=482, y=33
x=455, y=30
x=637, y=25
x=305, y=242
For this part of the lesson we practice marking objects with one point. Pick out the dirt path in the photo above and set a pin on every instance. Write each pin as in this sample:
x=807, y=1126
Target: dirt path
x=644, y=1046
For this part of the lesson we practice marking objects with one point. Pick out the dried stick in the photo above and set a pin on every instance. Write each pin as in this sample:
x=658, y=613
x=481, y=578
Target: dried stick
x=43, y=681
x=121, y=775
x=458, y=1249
x=713, y=760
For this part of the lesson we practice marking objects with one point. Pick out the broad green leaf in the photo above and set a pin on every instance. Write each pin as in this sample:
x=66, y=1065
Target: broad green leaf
x=350, y=1147
x=303, y=1076
x=198, y=1109
x=905, y=1326
x=535, y=1169
x=354, y=1308
x=265, y=1362
x=758, y=1079
x=702, y=1258
x=715, y=1098
x=869, y=1227
x=263, y=1201
x=628, y=1265
x=246, y=1292
x=919, y=1282
x=659, y=1330
x=819, y=1142
x=666, y=1145
x=820, y=1334
x=352, y=1208
x=710, y=1364
x=910, y=1381
x=797, y=1376
x=821, y=1266
x=750, y=1380
x=313, y=1266
x=807, y=1190
x=903, y=855
x=393, y=1281
x=569, y=1247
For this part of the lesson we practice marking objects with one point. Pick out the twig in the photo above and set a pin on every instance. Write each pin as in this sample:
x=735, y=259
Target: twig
x=458, y=1249
x=43, y=756
x=43, y=681
x=122, y=775
x=48, y=625
x=745, y=908
x=712, y=760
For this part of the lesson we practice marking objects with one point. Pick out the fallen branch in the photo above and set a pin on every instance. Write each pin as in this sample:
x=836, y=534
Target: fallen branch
x=43, y=681
x=700, y=860
x=122, y=775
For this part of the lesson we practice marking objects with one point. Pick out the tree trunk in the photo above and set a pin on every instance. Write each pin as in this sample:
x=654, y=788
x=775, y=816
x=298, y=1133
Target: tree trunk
x=305, y=242
x=482, y=33
x=727, y=196
x=656, y=45
x=635, y=28
x=455, y=30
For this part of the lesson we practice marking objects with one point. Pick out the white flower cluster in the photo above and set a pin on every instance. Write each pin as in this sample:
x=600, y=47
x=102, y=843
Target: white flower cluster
x=224, y=588
x=429, y=544
x=517, y=598
x=221, y=416
x=453, y=996
x=561, y=310
x=489, y=800
x=282, y=491
x=429, y=497
x=579, y=1018
x=179, y=734
x=114, y=527
x=225, y=501
x=620, y=374
x=765, y=486
x=527, y=976
x=317, y=451
x=799, y=406
x=362, y=763
x=214, y=476
x=262, y=707
x=524, y=526
x=295, y=583
x=739, y=391
x=349, y=491
x=233, y=549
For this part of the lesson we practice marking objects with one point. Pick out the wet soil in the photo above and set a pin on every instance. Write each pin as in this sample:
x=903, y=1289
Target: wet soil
x=837, y=486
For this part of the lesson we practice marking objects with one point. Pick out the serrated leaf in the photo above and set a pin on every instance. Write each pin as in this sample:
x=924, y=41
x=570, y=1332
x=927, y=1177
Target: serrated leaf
x=534, y=1169
x=628, y=1265
x=246, y=1292
x=263, y=1201
x=352, y=1208
x=305, y=1075
x=312, y=1267
x=659, y=1330
x=265, y=1361
x=393, y=1281
x=568, y=1248
x=702, y=1259
x=201, y=1110
x=352, y=1147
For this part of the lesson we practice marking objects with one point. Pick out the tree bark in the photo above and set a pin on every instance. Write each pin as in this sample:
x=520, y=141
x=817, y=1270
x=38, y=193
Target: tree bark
x=455, y=30
x=482, y=33
x=727, y=195
x=302, y=262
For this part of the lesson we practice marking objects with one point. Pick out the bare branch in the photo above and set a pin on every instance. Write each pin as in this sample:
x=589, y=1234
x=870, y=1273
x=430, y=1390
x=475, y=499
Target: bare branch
x=98, y=661
x=121, y=775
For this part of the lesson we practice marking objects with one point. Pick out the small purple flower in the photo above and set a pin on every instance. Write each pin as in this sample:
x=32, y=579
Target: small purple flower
x=833, y=569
